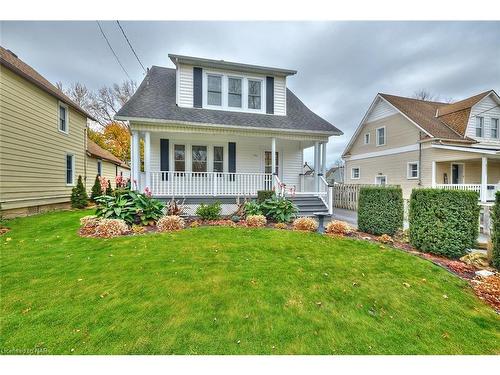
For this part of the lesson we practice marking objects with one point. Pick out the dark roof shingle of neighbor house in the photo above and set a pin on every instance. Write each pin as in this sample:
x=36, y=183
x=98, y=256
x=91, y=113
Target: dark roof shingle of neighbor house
x=441, y=120
x=14, y=63
x=155, y=99
x=94, y=150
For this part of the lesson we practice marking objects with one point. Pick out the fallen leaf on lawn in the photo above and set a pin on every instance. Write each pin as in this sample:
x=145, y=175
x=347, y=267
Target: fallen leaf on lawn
x=424, y=280
x=238, y=342
x=407, y=285
x=80, y=279
x=8, y=239
x=445, y=335
x=445, y=296
x=26, y=310
x=355, y=284
x=318, y=303
x=104, y=294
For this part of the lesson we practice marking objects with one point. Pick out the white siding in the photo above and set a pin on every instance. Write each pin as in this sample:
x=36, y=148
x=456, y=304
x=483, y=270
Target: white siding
x=249, y=153
x=487, y=108
x=185, y=86
x=380, y=110
x=280, y=96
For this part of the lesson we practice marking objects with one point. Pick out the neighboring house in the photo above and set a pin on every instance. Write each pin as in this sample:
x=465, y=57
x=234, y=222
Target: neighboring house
x=42, y=140
x=413, y=143
x=210, y=128
x=103, y=163
x=335, y=174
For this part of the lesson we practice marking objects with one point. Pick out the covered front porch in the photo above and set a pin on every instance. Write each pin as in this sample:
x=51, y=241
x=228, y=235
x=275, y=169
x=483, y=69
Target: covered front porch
x=480, y=174
x=208, y=163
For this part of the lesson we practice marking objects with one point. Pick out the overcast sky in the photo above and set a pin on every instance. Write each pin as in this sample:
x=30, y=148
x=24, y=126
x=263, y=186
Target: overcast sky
x=341, y=65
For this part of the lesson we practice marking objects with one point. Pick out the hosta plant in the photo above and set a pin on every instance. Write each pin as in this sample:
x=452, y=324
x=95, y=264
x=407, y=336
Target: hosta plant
x=278, y=209
x=305, y=224
x=252, y=208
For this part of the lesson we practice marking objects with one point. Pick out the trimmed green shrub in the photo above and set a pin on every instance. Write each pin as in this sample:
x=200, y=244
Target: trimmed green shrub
x=79, y=197
x=495, y=232
x=262, y=195
x=209, y=211
x=96, y=189
x=380, y=210
x=444, y=222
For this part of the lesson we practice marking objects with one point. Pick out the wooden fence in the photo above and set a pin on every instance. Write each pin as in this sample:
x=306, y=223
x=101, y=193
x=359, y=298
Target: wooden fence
x=346, y=196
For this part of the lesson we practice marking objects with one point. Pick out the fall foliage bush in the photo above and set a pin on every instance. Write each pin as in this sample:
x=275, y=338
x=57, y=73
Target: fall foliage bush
x=170, y=223
x=195, y=224
x=338, y=228
x=385, y=238
x=305, y=223
x=107, y=228
x=256, y=220
x=222, y=223
x=88, y=225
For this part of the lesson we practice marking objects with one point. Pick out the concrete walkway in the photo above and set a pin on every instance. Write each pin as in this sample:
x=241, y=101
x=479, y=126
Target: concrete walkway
x=348, y=216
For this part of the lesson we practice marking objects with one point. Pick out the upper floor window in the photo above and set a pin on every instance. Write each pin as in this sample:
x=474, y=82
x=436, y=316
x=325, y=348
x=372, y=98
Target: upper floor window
x=367, y=138
x=234, y=92
x=254, y=94
x=381, y=136
x=495, y=128
x=63, y=117
x=479, y=126
x=214, y=84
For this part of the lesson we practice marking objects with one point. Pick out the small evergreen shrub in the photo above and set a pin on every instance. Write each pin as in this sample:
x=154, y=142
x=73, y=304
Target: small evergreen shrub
x=170, y=223
x=305, y=224
x=256, y=221
x=209, y=211
x=338, y=228
x=262, y=195
x=79, y=197
x=444, y=222
x=380, y=210
x=96, y=189
x=495, y=232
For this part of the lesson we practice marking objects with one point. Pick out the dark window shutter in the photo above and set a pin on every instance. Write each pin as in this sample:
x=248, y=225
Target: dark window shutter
x=197, y=87
x=164, y=158
x=231, y=151
x=270, y=95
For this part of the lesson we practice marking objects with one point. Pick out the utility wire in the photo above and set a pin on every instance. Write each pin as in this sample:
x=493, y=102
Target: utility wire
x=130, y=45
x=112, y=50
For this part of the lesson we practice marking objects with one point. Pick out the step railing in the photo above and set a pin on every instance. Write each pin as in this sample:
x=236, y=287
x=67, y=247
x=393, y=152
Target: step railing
x=326, y=194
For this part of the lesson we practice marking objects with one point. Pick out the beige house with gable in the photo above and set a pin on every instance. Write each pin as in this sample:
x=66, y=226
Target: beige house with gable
x=416, y=143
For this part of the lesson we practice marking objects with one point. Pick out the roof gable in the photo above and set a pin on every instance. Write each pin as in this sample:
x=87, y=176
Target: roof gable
x=96, y=151
x=462, y=104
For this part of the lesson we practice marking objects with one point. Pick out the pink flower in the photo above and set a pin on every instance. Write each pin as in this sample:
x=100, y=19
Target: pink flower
x=147, y=192
x=104, y=183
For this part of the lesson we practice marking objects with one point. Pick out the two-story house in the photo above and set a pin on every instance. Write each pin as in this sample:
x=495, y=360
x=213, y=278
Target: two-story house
x=213, y=128
x=417, y=143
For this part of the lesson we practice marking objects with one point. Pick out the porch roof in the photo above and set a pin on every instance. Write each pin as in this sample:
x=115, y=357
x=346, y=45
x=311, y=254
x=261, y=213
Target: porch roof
x=155, y=100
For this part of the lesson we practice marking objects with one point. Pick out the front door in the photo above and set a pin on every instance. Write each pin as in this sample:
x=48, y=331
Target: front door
x=457, y=174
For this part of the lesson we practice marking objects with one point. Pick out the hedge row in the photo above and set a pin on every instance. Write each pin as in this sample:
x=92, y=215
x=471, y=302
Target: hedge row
x=444, y=222
x=380, y=210
x=495, y=233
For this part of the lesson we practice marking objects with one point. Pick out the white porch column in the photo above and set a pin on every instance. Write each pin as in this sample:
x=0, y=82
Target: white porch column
x=433, y=174
x=317, y=169
x=147, y=158
x=323, y=160
x=484, y=179
x=136, y=163
x=273, y=161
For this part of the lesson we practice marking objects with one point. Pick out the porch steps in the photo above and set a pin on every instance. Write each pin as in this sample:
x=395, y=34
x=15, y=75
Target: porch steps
x=309, y=205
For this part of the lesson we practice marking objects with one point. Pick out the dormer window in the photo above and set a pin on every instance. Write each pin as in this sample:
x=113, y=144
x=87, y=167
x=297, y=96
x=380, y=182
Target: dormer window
x=234, y=92
x=254, y=94
x=214, y=96
x=479, y=126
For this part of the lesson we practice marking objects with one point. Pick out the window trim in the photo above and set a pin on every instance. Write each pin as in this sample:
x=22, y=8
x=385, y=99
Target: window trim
x=72, y=169
x=369, y=138
x=377, y=137
x=479, y=118
x=408, y=170
x=66, y=119
x=352, y=173
x=497, y=127
x=384, y=176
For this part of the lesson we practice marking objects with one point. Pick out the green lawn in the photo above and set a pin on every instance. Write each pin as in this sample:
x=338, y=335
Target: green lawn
x=228, y=291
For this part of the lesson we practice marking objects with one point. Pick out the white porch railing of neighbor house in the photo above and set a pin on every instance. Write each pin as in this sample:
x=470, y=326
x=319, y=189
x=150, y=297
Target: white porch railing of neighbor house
x=491, y=189
x=209, y=183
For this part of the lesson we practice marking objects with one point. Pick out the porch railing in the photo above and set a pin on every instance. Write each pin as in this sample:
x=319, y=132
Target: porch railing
x=209, y=183
x=491, y=189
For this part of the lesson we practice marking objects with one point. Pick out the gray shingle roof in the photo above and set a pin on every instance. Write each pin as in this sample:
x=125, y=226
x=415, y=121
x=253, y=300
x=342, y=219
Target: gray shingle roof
x=155, y=99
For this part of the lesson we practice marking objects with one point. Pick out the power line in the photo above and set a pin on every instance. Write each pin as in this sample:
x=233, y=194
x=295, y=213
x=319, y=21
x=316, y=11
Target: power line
x=112, y=50
x=130, y=45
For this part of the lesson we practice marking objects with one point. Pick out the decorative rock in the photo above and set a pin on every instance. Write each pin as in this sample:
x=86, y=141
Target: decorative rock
x=484, y=273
